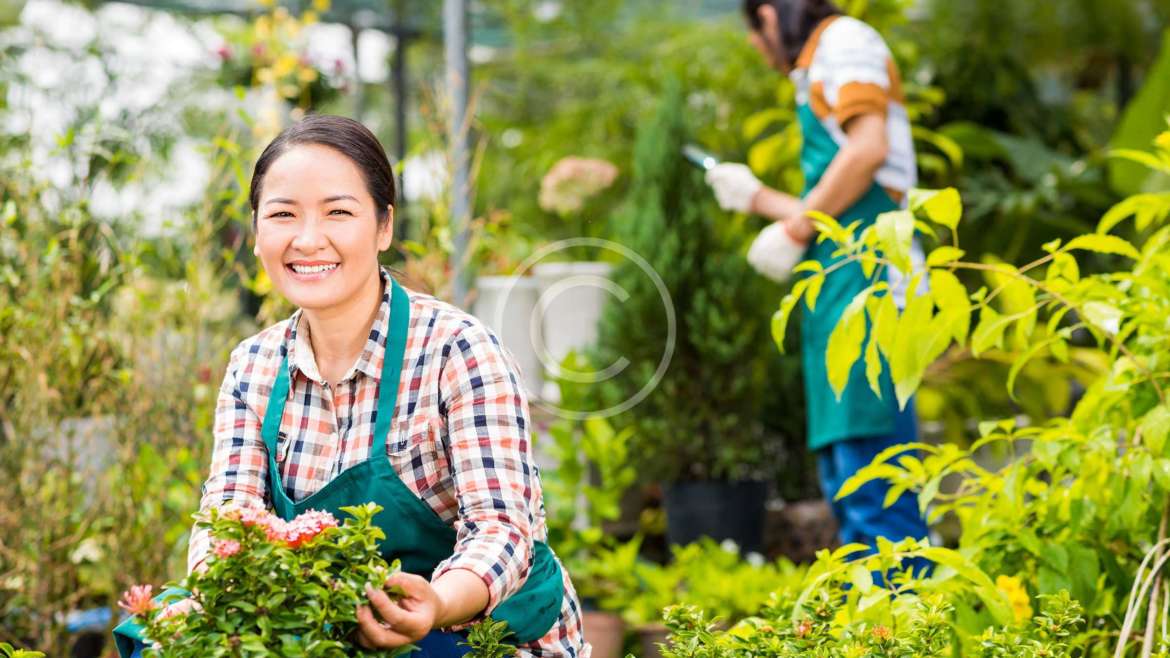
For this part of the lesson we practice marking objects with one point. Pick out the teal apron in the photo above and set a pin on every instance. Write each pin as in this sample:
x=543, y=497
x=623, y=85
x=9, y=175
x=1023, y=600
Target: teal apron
x=859, y=412
x=414, y=533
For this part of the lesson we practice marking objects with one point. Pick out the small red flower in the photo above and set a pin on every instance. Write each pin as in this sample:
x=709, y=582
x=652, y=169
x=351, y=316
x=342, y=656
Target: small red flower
x=137, y=600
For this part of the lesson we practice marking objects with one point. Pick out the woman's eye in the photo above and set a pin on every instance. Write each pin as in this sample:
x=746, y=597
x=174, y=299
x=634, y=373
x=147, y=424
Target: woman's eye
x=280, y=214
x=341, y=211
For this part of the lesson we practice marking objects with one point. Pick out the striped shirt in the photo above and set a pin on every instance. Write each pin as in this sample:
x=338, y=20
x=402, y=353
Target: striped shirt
x=459, y=440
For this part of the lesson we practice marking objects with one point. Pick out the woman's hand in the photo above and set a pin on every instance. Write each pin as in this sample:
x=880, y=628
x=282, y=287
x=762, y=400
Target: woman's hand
x=391, y=624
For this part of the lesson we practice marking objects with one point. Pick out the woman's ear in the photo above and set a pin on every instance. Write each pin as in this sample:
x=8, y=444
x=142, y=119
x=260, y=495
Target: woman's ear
x=386, y=230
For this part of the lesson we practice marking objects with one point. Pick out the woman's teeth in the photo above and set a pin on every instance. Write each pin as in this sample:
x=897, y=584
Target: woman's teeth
x=313, y=269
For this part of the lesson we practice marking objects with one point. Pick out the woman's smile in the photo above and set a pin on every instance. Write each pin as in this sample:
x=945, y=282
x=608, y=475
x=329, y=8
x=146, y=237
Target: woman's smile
x=311, y=270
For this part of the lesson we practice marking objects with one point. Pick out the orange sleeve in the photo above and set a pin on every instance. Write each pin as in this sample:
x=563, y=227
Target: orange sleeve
x=857, y=98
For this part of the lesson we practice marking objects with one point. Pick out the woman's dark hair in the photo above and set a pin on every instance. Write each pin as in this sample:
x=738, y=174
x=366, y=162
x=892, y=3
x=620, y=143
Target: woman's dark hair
x=798, y=19
x=347, y=136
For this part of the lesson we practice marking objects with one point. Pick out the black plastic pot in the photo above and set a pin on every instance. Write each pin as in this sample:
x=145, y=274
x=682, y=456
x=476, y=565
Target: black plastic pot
x=719, y=510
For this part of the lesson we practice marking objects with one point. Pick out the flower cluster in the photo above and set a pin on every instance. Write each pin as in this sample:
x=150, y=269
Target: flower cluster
x=272, y=53
x=572, y=181
x=293, y=533
x=137, y=600
x=315, y=572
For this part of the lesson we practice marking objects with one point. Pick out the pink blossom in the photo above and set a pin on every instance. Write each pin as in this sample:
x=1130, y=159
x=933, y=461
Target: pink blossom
x=572, y=181
x=182, y=607
x=226, y=548
x=307, y=526
x=137, y=600
x=225, y=53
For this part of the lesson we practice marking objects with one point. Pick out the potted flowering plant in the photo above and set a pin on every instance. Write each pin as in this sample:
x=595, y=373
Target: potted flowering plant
x=270, y=586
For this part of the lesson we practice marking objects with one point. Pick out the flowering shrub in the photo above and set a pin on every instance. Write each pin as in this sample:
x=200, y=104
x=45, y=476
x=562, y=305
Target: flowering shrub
x=272, y=51
x=271, y=586
x=572, y=181
x=821, y=628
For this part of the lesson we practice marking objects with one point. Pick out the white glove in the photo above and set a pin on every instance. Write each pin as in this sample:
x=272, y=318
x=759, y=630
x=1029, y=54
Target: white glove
x=734, y=184
x=774, y=253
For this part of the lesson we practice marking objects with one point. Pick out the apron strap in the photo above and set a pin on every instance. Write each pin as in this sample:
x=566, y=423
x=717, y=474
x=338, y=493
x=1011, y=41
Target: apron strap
x=387, y=388
x=391, y=367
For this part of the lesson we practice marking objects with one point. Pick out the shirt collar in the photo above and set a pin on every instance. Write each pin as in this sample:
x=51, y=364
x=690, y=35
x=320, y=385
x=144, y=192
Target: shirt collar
x=300, y=349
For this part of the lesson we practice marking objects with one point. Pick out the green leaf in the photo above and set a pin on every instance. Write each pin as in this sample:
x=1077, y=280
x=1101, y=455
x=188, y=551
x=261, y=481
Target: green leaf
x=1143, y=119
x=1154, y=428
x=814, y=290
x=757, y=122
x=944, y=255
x=950, y=296
x=1104, y=316
x=943, y=207
x=895, y=232
x=780, y=318
x=844, y=346
x=988, y=333
x=914, y=327
x=861, y=577
x=1103, y=244
x=767, y=151
x=873, y=365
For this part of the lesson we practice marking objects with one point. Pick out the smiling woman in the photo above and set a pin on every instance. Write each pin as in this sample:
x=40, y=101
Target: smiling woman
x=374, y=393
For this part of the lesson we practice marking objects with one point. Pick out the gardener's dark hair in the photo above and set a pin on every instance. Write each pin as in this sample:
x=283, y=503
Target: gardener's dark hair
x=798, y=19
x=344, y=135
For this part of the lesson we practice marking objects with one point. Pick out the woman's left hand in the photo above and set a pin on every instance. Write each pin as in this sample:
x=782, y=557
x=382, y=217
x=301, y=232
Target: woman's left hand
x=391, y=624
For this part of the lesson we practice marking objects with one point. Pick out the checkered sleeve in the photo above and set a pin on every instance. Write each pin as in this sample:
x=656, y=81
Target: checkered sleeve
x=487, y=423
x=239, y=463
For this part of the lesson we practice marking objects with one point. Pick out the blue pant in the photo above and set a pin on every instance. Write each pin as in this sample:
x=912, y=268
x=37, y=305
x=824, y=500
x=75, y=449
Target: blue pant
x=860, y=515
x=437, y=644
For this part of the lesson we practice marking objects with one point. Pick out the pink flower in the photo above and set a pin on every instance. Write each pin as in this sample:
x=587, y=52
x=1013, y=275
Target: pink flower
x=307, y=526
x=137, y=600
x=226, y=548
x=182, y=607
x=225, y=53
x=572, y=181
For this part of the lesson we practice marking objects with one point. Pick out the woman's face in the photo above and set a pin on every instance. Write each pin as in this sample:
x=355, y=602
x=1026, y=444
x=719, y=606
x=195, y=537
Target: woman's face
x=317, y=231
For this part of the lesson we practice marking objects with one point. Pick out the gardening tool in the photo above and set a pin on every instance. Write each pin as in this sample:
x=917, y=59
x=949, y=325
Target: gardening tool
x=698, y=157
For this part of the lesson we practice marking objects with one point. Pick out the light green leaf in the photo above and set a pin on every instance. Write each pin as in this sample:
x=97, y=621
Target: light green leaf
x=885, y=323
x=767, y=151
x=814, y=290
x=906, y=368
x=780, y=317
x=944, y=255
x=757, y=122
x=844, y=346
x=895, y=232
x=1104, y=316
x=873, y=365
x=861, y=578
x=950, y=296
x=988, y=333
x=943, y=207
x=1104, y=244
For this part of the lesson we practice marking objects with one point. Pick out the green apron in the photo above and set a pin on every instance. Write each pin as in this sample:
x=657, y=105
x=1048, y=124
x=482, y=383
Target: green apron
x=414, y=533
x=859, y=412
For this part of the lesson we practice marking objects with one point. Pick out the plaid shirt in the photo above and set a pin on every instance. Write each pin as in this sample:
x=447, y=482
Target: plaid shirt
x=459, y=441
